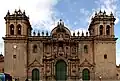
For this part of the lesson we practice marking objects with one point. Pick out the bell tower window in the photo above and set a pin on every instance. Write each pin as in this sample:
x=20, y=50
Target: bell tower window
x=11, y=29
x=34, y=48
x=108, y=30
x=85, y=49
x=101, y=29
x=19, y=29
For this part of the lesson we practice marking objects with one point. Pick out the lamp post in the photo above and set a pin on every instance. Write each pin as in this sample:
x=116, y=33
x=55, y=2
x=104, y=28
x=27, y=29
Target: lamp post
x=100, y=78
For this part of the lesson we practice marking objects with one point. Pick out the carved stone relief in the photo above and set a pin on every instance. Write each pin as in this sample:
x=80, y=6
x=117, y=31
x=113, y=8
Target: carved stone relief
x=48, y=69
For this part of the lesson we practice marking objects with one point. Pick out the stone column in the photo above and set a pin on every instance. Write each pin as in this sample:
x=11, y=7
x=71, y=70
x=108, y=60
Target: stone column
x=7, y=28
x=104, y=28
x=112, y=29
x=15, y=27
x=69, y=70
x=52, y=70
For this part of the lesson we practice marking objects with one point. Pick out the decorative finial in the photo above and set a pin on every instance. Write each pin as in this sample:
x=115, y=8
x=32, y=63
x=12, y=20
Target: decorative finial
x=24, y=12
x=104, y=12
x=38, y=33
x=86, y=33
x=111, y=14
x=60, y=21
x=78, y=33
x=100, y=11
x=15, y=11
x=34, y=33
x=42, y=33
x=46, y=33
x=74, y=34
x=8, y=13
x=19, y=11
x=82, y=33
x=96, y=13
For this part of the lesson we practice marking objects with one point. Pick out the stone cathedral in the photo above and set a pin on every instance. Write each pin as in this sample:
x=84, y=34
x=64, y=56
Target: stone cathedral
x=60, y=55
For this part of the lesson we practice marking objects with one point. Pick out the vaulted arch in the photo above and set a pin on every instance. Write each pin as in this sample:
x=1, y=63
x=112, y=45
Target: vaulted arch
x=107, y=30
x=11, y=29
x=101, y=30
x=19, y=29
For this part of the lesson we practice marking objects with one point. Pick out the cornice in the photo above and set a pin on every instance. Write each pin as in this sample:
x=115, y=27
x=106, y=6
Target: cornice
x=71, y=39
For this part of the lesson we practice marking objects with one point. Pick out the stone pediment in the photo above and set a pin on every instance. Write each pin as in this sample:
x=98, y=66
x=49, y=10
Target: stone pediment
x=35, y=63
x=85, y=63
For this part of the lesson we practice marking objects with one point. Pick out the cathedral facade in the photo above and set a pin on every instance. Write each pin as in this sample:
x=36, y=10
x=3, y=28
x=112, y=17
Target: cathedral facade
x=60, y=55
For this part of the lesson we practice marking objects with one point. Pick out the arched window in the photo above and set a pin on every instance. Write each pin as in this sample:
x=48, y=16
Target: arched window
x=85, y=49
x=19, y=29
x=108, y=30
x=86, y=75
x=34, y=48
x=101, y=30
x=11, y=29
x=35, y=75
x=105, y=56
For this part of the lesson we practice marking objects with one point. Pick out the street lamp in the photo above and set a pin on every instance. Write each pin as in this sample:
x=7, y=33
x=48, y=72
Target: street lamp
x=100, y=78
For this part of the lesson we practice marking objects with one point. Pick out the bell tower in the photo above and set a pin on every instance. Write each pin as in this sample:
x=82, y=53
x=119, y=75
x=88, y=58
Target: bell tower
x=102, y=25
x=104, y=45
x=17, y=24
x=18, y=29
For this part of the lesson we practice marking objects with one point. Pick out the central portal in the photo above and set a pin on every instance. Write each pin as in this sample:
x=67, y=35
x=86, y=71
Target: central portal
x=61, y=70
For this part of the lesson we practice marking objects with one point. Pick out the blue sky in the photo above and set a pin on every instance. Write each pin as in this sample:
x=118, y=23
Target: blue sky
x=44, y=14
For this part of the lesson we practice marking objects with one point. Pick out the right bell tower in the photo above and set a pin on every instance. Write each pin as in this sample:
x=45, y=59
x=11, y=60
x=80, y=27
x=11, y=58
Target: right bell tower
x=101, y=29
x=102, y=25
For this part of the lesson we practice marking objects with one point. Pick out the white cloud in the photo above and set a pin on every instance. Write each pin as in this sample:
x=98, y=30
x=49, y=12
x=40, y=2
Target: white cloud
x=84, y=11
x=39, y=11
x=109, y=6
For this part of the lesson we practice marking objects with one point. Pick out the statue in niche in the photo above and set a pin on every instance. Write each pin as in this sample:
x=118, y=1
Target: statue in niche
x=60, y=37
x=61, y=52
x=73, y=54
x=67, y=50
x=73, y=68
x=48, y=68
x=73, y=49
x=60, y=49
x=54, y=50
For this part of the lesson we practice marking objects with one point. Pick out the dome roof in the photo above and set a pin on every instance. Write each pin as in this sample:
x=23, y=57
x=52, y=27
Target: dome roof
x=60, y=28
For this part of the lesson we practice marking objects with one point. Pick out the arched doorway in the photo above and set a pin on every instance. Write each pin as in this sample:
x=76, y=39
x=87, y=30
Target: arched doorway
x=61, y=70
x=35, y=75
x=86, y=74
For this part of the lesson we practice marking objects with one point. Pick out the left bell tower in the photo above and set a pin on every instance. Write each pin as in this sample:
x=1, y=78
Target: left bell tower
x=18, y=29
x=17, y=24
